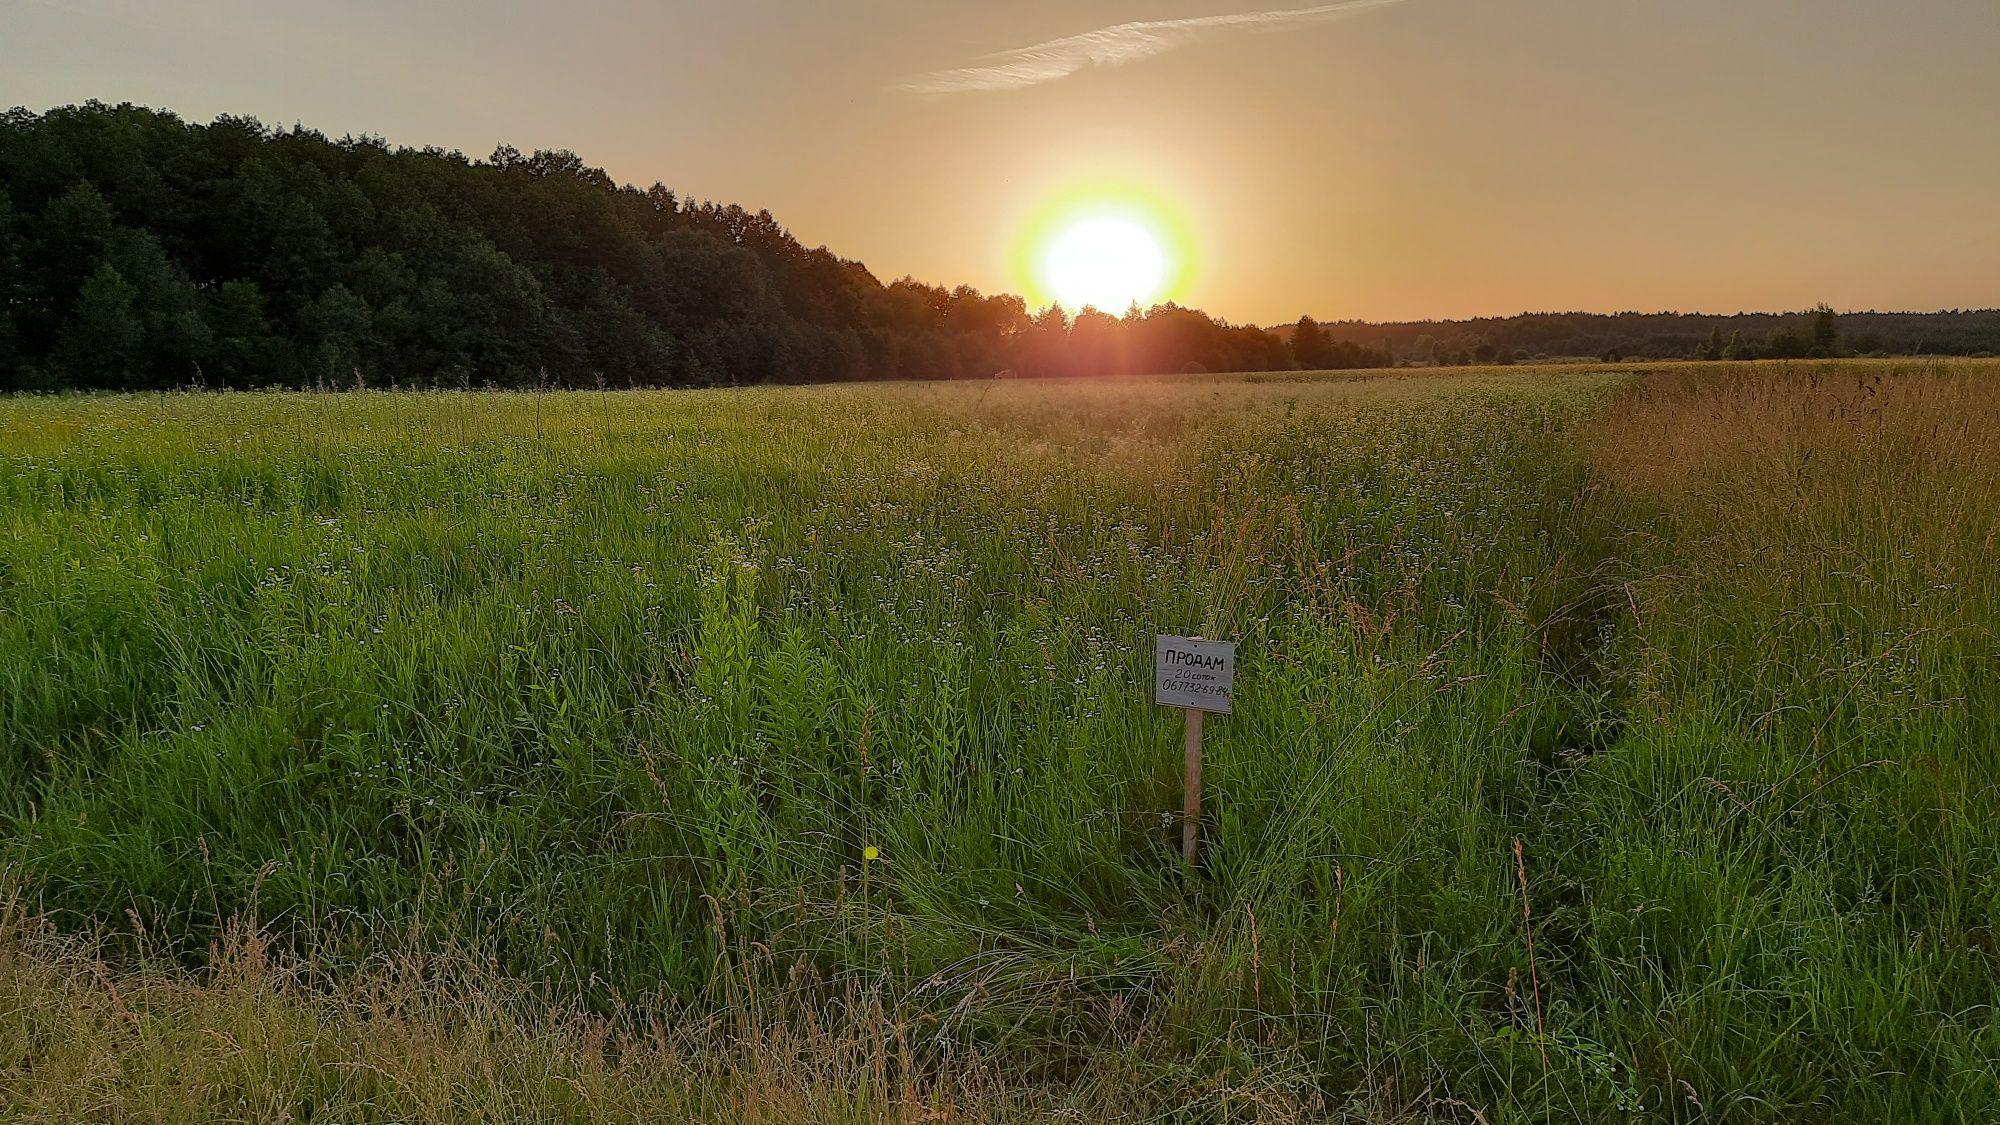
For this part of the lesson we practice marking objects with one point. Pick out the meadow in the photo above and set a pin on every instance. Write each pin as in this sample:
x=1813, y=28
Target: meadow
x=1610, y=744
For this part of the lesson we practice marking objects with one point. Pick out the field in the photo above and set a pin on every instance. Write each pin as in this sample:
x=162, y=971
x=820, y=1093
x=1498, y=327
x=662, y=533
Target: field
x=1610, y=744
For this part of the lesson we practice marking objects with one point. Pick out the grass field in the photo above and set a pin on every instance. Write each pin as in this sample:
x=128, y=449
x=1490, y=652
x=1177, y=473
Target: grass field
x=1610, y=744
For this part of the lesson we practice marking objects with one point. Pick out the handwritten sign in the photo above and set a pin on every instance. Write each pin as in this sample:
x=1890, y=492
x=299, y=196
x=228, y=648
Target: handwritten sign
x=1193, y=673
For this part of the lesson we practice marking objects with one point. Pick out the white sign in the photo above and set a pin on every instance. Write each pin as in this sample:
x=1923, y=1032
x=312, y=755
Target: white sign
x=1188, y=672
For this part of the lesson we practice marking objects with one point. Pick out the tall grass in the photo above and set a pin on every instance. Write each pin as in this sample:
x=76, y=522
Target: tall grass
x=1602, y=747
x=261, y=1036
x=1802, y=875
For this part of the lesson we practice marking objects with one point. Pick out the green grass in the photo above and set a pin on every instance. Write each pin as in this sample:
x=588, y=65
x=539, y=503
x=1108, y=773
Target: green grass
x=593, y=701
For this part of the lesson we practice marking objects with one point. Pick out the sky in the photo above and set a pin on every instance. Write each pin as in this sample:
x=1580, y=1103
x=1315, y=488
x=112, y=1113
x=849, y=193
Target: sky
x=1376, y=159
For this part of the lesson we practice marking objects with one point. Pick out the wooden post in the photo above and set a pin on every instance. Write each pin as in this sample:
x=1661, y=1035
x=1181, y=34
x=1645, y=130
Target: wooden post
x=1196, y=676
x=1191, y=797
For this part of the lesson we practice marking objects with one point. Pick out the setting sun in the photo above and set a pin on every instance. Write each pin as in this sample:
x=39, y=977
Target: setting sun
x=1108, y=263
x=1105, y=249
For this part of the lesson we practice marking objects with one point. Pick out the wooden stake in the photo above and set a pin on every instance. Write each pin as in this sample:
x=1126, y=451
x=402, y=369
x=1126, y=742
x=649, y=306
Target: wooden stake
x=1191, y=798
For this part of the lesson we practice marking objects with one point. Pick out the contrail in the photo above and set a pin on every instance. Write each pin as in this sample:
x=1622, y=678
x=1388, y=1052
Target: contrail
x=1114, y=46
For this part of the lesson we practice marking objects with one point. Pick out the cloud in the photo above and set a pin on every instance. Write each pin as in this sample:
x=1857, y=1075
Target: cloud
x=1115, y=46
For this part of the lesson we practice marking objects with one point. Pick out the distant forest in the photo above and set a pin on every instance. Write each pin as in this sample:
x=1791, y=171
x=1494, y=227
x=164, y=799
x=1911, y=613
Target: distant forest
x=140, y=251
x=1818, y=332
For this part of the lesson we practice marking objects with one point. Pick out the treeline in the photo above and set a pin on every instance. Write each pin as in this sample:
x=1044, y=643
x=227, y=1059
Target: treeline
x=1818, y=332
x=140, y=251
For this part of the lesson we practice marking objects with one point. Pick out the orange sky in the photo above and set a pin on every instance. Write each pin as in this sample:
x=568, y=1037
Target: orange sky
x=1421, y=158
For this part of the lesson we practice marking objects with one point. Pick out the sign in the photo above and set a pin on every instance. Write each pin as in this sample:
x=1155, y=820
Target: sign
x=1193, y=673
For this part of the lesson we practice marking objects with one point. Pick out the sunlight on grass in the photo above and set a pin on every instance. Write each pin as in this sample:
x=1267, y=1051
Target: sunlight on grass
x=823, y=714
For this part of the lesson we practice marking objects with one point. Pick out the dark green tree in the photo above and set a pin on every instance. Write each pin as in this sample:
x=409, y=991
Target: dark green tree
x=102, y=344
x=1310, y=345
x=11, y=293
x=1784, y=343
x=246, y=349
x=1825, y=331
x=71, y=238
x=336, y=331
x=176, y=336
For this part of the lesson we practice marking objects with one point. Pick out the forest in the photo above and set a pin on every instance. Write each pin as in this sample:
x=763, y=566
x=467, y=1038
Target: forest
x=1816, y=333
x=142, y=251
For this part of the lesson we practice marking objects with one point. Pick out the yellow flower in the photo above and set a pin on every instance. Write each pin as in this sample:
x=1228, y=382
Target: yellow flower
x=871, y=853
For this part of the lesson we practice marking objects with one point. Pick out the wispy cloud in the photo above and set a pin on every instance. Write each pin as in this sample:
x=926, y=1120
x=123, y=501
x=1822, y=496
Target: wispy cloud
x=1115, y=46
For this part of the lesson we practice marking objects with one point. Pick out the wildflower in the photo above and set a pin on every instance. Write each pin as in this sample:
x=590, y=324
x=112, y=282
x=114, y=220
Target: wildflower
x=871, y=853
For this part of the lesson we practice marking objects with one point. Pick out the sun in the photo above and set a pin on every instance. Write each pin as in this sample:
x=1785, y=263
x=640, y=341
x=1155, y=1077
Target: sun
x=1103, y=249
x=1106, y=262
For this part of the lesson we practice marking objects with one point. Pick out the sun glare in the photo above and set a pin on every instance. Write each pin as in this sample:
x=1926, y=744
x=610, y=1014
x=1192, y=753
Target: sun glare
x=1107, y=250
x=1108, y=263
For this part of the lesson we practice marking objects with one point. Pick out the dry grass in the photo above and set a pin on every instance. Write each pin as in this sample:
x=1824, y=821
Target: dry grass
x=1766, y=425
x=90, y=1035
x=250, y=1039
x=1861, y=494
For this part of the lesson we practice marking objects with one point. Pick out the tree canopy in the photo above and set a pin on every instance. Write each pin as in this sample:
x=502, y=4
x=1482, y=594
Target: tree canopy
x=141, y=251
